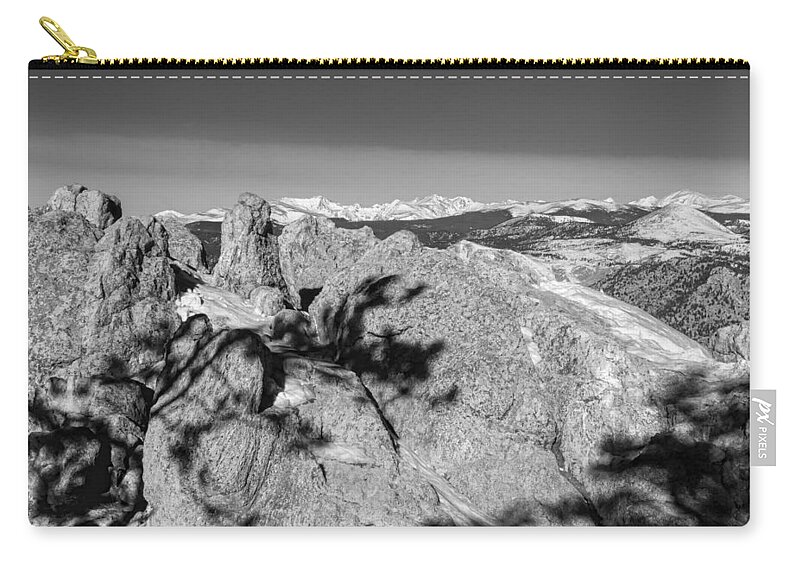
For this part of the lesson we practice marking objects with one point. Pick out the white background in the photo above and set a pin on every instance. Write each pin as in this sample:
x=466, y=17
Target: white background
x=763, y=33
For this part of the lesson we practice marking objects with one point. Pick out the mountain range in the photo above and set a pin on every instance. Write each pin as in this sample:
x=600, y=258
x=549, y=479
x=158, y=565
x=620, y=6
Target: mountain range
x=287, y=210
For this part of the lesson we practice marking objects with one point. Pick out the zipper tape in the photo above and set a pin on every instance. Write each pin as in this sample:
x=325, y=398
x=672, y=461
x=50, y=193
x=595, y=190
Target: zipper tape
x=381, y=63
x=79, y=57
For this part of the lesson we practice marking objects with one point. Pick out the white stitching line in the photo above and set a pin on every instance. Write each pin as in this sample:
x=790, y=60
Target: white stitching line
x=391, y=77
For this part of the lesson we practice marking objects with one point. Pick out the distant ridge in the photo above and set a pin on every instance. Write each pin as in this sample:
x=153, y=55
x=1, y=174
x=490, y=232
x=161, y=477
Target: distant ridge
x=679, y=222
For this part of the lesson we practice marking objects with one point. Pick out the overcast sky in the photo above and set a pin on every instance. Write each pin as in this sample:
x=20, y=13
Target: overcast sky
x=191, y=145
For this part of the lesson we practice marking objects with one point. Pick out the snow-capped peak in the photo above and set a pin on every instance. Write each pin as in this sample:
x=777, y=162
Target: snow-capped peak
x=287, y=210
x=651, y=202
x=718, y=204
x=212, y=215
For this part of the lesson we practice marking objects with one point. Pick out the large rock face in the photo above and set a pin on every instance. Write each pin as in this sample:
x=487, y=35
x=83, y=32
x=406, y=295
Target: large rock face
x=184, y=246
x=313, y=249
x=516, y=393
x=129, y=313
x=60, y=249
x=98, y=208
x=99, y=303
x=249, y=255
x=221, y=452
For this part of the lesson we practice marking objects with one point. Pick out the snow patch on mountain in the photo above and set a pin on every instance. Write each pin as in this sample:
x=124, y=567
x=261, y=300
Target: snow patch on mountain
x=642, y=334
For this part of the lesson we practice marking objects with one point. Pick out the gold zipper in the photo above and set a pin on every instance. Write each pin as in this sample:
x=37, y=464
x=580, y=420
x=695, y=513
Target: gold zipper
x=74, y=54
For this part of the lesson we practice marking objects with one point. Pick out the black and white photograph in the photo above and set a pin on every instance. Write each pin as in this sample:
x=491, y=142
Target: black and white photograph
x=354, y=295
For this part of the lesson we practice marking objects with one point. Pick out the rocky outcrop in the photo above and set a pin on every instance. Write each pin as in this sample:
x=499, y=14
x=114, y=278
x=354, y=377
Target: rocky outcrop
x=99, y=303
x=267, y=301
x=220, y=452
x=249, y=255
x=157, y=231
x=293, y=328
x=732, y=343
x=312, y=249
x=517, y=395
x=184, y=246
x=100, y=311
x=61, y=246
x=98, y=208
x=129, y=315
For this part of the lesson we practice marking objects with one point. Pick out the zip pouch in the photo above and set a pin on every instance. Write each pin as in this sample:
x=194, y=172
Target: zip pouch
x=380, y=292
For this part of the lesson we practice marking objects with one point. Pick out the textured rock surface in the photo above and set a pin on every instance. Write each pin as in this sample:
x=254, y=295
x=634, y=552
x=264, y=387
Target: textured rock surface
x=518, y=397
x=267, y=301
x=219, y=452
x=293, y=328
x=99, y=303
x=116, y=407
x=312, y=249
x=184, y=246
x=732, y=343
x=60, y=249
x=98, y=208
x=249, y=255
x=67, y=471
x=110, y=415
x=129, y=312
x=157, y=231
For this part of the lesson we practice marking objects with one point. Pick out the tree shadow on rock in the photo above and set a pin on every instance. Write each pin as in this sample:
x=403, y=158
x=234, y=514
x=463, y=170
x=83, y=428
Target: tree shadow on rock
x=383, y=356
x=213, y=415
x=696, y=472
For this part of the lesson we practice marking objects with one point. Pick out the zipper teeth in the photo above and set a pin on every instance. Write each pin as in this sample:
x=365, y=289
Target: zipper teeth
x=362, y=62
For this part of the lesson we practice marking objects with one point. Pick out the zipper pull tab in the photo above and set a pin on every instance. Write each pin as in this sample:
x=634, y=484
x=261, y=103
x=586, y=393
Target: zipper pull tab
x=72, y=52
